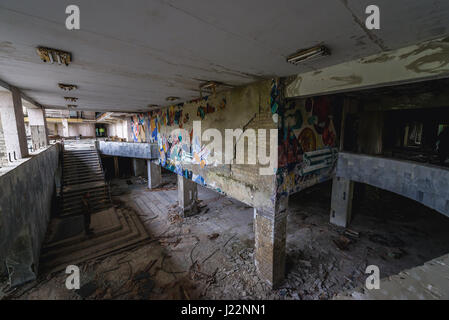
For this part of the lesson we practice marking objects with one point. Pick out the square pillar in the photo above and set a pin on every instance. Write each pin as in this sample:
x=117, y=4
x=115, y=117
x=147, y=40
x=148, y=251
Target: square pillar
x=138, y=167
x=13, y=124
x=116, y=168
x=3, y=153
x=270, y=228
x=154, y=175
x=187, y=196
x=39, y=134
x=341, y=205
x=65, y=128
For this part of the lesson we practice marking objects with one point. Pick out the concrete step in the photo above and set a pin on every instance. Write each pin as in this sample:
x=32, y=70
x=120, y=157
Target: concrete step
x=92, y=193
x=77, y=167
x=103, y=222
x=80, y=193
x=74, y=201
x=81, y=157
x=79, y=210
x=77, y=179
x=81, y=181
x=81, y=162
x=131, y=233
x=75, y=152
x=82, y=173
x=98, y=175
x=81, y=166
x=80, y=154
x=79, y=188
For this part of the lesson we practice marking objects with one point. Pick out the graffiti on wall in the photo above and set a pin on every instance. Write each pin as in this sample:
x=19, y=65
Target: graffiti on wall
x=138, y=128
x=153, y=125
x=178, y=148
x=307, y=139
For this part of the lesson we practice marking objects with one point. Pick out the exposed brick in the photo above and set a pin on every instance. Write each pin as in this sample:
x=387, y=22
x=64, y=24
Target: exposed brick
x=270, y=241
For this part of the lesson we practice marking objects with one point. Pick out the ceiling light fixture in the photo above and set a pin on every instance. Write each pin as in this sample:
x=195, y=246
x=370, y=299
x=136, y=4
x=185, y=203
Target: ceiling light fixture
x=67, y=87
x=172, y=98
x=51, y=55
x=210, y=86
x=71, y=99
x=72, y=106
x=308, y=54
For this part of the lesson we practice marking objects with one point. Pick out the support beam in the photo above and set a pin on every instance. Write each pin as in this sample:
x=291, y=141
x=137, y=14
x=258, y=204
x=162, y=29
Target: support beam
x=270, y=229
x=341, y=206
x=370, y=136
x=3, y=153
x=38, y=127
x=154, y=175
x=116, y=167
x=418, y=62
x=187, y=196
x=13, y=124
x=138, y=167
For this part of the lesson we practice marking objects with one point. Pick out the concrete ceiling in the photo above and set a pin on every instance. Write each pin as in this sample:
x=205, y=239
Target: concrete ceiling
x=129, y=54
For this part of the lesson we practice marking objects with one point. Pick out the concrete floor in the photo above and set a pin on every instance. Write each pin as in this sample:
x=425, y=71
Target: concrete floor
x=210, y=255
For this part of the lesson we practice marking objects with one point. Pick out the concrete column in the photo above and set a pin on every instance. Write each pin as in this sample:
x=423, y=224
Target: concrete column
x=187, y=196
x=341, y=205
x=39, y=134
x=3, y=153
x=154, y=175
x=270, y=228
x=13, y=124
x=65, y=128
x=116, y=167
x=138, y=167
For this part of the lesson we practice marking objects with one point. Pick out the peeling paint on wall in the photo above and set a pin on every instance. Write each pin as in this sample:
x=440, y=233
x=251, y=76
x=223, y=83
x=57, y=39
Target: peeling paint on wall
x=184, y=154
x=425, y=61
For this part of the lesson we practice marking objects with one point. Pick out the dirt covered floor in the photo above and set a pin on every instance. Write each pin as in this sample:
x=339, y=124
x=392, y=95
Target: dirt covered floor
x=210, y=255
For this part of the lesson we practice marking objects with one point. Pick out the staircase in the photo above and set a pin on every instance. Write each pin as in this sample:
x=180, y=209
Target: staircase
x=114, y=227
x=82, y=173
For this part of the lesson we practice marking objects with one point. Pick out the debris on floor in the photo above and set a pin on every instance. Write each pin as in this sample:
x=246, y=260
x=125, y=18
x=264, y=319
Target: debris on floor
x=211, y=255
x=213, y=236
x=342, y=242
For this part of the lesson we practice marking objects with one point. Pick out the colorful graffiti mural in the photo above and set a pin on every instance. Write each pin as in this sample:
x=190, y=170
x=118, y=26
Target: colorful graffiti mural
x=138, y=128
x=178, y=150
x=307, y=153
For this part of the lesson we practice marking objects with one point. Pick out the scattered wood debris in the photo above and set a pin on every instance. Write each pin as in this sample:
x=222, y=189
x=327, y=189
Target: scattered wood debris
x=213, y=236
x=342, y=243
x=352, y=234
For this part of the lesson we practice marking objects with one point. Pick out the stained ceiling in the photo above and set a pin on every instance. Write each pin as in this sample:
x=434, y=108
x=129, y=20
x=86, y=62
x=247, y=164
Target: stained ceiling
x=131, y=54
